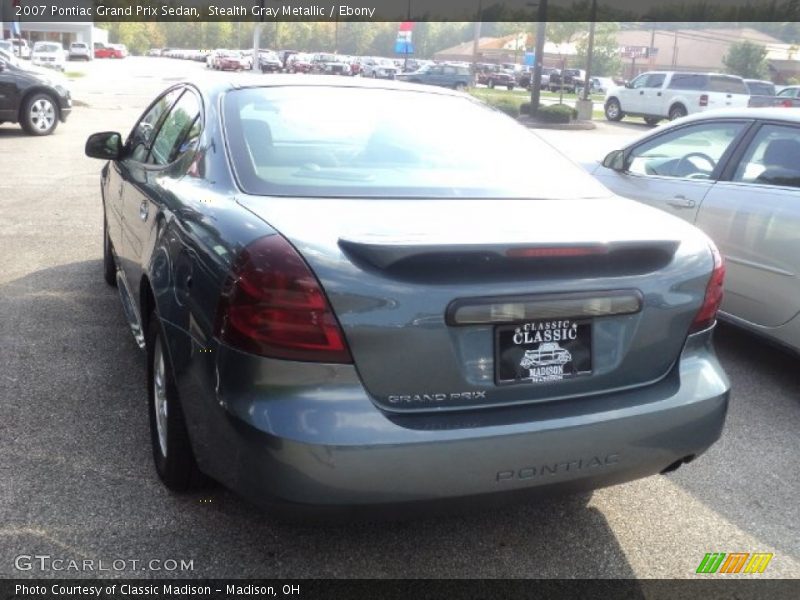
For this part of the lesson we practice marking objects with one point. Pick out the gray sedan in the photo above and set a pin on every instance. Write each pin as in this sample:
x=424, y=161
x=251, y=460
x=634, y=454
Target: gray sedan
x=339, y=308
x=736, y=175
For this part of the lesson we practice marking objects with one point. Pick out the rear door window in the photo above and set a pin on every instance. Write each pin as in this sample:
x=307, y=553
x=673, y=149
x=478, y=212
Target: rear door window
x=689, y=81
x=773, y=157
x=727, y=84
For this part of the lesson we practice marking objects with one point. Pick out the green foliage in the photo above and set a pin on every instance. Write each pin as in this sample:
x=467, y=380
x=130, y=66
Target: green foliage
x=556, y=113
x=605, y=58
x=747, y=60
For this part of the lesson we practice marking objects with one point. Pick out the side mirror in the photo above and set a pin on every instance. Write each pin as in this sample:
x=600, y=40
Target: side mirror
x=628, y=85
x=615, y=160
x=2, y=66
x=106, y=145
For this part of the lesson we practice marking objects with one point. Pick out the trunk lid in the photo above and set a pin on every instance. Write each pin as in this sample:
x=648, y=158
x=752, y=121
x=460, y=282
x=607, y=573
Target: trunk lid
x=397, y=272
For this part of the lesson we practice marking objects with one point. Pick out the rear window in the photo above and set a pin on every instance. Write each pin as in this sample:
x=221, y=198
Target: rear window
x=761, y=88
x=727, y=84
x=689, y=81
x=39, y=47
x=389, y=143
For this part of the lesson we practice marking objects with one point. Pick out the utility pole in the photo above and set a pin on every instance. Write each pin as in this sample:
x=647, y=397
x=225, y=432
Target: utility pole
x=536, y=78
x=476, y=38
x=589, y=52
x=257, y=38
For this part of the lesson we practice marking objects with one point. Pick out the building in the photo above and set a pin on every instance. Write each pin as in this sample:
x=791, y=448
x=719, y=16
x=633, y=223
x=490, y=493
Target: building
x=65, y=33
x=508, y=49
x=687, y=49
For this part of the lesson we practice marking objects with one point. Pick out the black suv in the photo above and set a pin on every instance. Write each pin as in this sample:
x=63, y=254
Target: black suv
x=35, y=100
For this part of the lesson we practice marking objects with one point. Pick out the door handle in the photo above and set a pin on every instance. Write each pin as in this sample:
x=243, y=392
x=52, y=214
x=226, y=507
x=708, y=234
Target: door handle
x=681, y=202
x=658, y=94
x=143, y=210
x=641, y=93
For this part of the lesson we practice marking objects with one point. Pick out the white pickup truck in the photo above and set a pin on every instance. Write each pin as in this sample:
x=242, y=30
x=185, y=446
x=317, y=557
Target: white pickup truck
x=658, y=95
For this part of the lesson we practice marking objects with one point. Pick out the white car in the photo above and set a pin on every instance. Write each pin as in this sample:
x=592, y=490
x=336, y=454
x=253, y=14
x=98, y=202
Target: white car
x=80, y=51
x=21, y=48
x=658, y=95
x=48, y=54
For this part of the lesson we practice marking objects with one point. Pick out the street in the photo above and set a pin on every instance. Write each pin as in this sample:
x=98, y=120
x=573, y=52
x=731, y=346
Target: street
x=78, y=481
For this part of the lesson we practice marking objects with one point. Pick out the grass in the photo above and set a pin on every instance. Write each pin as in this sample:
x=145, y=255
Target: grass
x=510, y=101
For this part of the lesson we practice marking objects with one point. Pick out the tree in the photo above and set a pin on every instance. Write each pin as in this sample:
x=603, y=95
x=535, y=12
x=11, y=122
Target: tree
x=605, y=58
x=747, y=60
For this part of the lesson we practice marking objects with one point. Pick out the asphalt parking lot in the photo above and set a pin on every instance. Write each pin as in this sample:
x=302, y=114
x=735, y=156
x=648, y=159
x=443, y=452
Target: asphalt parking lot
x=77, y=479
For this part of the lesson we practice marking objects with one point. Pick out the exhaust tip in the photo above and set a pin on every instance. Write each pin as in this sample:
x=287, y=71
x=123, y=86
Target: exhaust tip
x=674, y=466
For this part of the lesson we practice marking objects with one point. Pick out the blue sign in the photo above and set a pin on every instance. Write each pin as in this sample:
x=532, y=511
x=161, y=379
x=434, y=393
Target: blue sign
x=403, y=47
x=530, y=58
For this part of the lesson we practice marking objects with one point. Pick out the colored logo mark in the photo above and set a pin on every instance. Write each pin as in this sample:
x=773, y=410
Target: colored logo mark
x=734, y=562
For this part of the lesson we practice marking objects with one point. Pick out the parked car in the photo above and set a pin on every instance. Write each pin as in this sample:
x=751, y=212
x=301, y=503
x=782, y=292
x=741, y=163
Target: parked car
x=231, y=60
x=444, y=75
x=763, y=94
x=378, y=68
x=671, y=95
x=269, y=62
x=567, y=79
x=35, y=99
x=736, y=175
x=102, y=50
x=153, y=52
x=118, y=51
x=9, y=58
x=79, y=51
x=49, y=54
x=598, y=85
x=524, y=77
x=354, y=297
x=499, y=77
x=299, y=63
x=21, y=47
x=329, y=64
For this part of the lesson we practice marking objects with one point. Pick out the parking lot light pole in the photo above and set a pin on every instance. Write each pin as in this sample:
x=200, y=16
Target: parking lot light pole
x=536, y=78
x=590, y=51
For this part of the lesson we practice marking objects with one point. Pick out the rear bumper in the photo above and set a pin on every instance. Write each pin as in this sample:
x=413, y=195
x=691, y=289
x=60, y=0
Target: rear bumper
x=292, y=433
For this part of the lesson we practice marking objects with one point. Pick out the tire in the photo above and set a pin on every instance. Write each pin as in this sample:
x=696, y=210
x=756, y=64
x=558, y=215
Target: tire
x=109, y=266
x=677, y=111
x=653, y=121
x=510, y=87
x=491, y=84
x=613, y=110
x=172, y=451
x=459, y=87
x=39, y=115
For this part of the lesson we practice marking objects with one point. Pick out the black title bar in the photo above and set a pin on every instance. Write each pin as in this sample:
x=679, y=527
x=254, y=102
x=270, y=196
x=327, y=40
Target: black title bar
x=399, y=10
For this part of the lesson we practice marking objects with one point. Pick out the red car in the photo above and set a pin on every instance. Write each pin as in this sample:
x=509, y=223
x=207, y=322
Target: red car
x=231, y=61
x=103, y=51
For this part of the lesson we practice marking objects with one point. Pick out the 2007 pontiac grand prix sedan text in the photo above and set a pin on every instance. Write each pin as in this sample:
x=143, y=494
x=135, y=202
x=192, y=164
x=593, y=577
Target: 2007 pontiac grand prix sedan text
x=348, y=297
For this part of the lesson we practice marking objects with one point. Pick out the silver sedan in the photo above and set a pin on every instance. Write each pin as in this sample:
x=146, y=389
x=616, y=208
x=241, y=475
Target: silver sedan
x=736, y=175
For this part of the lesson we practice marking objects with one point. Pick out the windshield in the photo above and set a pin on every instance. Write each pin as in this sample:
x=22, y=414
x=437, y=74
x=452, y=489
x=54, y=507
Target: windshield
x=361, y=145
x=39, y=47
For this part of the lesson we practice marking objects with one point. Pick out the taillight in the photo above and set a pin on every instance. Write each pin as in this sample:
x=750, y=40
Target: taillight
x=704, y=100
x=786, y=104
x=708, y=312
x=272, y=305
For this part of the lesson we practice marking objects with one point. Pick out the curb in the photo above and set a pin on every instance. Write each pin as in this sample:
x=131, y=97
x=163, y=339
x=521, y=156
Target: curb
x=571, y=126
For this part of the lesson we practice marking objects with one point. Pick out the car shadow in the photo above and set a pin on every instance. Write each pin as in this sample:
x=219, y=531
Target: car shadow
x=755, y=461
x=78, y=475
x=10, y=130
